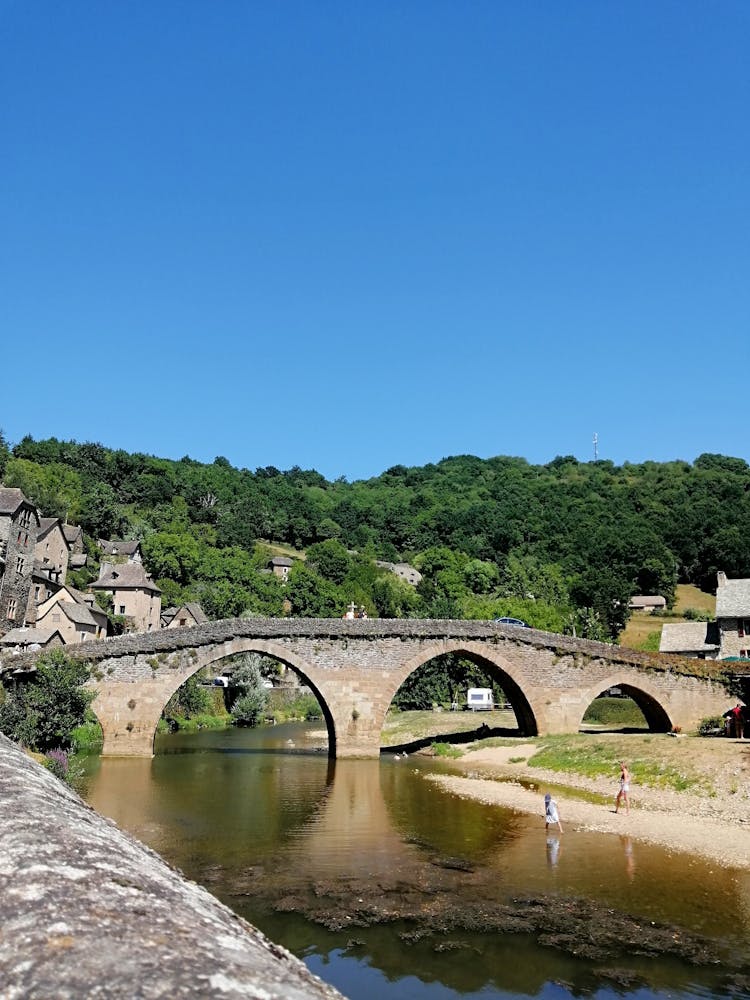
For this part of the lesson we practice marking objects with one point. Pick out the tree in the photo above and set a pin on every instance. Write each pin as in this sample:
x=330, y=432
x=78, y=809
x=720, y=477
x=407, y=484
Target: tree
x=480, y=576
x=311, y=596
x=42, y=713
x=393, y=597
x=443, y=680
x=223, y=599
x=101, y=514
x=171, y=555
x=54, y=488
x=252, y=697
x=330, y=559
x=189, y=700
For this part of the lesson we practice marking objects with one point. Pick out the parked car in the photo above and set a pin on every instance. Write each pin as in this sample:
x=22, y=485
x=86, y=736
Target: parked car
x=512, y=621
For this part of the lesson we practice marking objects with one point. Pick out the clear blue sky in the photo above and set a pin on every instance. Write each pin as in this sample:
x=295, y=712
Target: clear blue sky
x=347, y=235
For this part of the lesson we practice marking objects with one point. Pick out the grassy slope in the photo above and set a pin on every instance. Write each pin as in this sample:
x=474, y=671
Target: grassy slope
x=642, y=624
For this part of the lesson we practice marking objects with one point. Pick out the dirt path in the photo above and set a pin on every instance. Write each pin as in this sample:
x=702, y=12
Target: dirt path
x=713, y=824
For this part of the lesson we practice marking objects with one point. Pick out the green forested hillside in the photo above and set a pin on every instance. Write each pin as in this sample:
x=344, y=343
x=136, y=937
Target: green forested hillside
x=559, y=545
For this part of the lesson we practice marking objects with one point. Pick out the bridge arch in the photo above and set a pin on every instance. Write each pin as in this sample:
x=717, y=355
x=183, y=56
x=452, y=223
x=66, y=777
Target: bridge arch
x=650, y=703
x=207, y=657
x=498, y=666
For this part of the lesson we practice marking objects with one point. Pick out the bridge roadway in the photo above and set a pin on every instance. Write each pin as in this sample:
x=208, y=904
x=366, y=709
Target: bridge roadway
x=355, y=668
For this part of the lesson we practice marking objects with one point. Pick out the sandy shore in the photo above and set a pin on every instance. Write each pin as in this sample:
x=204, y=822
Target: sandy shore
x=716, y=828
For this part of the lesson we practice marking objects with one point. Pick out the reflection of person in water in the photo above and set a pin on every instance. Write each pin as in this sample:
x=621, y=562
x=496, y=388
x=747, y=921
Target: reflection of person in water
x=627, y=846
x=553, y=850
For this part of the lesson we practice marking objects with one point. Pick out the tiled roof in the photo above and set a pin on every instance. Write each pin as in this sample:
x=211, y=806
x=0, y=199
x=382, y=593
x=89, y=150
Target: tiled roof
x=77, y=613
x=46, y=524
x=25, y=636
x=78, y=595
x=193, y=608
x=11, y=499
x=282, y=561
x=733, y=599
x=115, y=547
x=71, y=532
x=197, y=612
x=689, y=637
x=647, y=601
x=124, y=576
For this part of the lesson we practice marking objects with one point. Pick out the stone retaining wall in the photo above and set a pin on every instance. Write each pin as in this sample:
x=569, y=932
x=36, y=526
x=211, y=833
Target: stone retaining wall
x=88, y=911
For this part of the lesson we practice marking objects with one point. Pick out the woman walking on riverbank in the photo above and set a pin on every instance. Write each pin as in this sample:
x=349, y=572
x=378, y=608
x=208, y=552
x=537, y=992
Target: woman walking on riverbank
x=623, y=794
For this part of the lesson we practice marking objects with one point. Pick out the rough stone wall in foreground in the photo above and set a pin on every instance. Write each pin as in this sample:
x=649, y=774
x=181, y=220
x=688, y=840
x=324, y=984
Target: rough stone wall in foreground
x=87, y=911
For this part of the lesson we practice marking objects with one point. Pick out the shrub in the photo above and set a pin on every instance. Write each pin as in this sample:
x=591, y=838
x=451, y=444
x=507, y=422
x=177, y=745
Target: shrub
x=43, y=712
x=89, y=734
x=712, y=725
x=294, y=705
x=696, y=615
x=56, y=761
x=249, y=708
x=614, y=711
x=445, y=750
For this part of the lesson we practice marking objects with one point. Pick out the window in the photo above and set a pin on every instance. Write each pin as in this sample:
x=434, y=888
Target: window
x=743, y=627
x=19, y=564
x=122, y=609
x=12, y=607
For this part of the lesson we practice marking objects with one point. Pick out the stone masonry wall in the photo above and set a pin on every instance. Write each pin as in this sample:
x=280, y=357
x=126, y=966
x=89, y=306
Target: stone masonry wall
x=87, y=911
x=356, y=667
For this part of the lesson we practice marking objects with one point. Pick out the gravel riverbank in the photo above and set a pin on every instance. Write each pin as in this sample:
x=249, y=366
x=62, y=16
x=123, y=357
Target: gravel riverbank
x=710, y=819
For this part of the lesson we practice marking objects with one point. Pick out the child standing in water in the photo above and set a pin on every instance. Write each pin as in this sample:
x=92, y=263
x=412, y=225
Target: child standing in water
x=551, y=815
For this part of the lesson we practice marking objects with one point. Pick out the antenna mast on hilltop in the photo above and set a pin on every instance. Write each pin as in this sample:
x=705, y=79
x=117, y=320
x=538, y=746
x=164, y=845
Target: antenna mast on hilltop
x=596, y=447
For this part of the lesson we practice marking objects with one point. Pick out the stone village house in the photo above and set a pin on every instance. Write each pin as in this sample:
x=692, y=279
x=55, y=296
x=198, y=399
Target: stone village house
x=19, y=529
x=74, y=614
x=134, y=594
x=728, y=637
x=184, y=616
x=118, y=551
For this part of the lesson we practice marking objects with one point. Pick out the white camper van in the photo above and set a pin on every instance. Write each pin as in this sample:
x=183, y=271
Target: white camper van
x=479, y=699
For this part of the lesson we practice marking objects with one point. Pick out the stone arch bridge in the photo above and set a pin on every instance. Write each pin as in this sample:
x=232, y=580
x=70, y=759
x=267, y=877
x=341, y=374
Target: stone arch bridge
x=356, y=667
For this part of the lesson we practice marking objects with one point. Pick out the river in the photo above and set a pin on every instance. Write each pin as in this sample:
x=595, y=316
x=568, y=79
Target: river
x=392, y=889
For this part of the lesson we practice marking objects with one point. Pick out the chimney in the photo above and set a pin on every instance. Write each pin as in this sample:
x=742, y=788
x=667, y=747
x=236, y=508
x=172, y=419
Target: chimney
x=721, y=579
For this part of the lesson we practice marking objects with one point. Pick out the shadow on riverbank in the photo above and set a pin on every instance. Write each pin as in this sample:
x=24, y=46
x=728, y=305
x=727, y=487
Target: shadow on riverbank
x=483, y=732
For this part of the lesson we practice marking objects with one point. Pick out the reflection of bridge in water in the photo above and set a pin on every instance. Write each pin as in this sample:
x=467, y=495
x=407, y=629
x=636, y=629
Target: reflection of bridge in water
x=355, y=668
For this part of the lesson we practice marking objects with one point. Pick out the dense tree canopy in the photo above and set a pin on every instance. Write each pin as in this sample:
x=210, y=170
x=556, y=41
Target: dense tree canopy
x=563, y=544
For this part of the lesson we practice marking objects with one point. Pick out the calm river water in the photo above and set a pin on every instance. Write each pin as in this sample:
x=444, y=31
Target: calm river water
x=303, y=847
